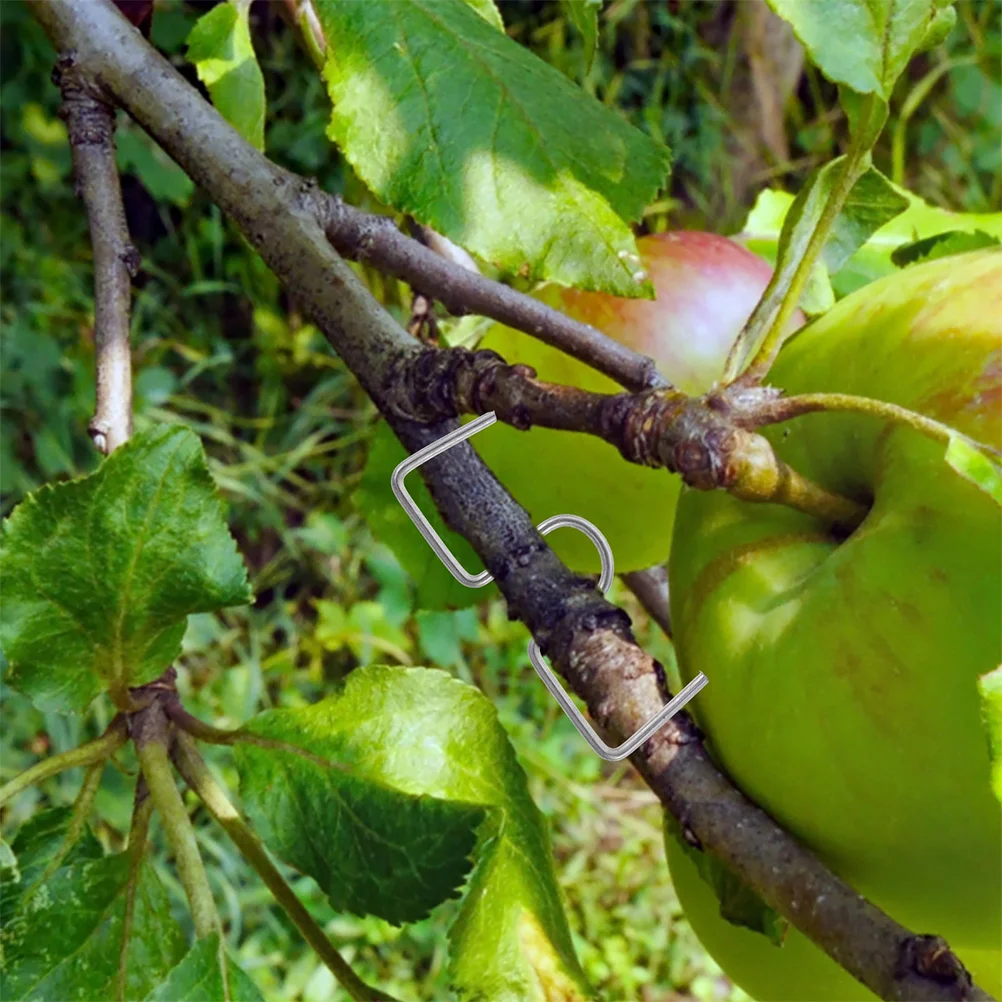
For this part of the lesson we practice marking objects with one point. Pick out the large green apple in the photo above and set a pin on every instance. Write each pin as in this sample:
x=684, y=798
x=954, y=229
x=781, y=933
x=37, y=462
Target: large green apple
x=706, y=288
x=843, y=693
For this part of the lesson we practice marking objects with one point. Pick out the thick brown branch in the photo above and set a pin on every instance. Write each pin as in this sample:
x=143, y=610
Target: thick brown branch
x=90, y=122
x=708, y=441
x=588, y=639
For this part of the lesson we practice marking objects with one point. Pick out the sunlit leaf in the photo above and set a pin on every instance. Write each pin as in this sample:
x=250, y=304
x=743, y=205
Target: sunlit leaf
x=502, y=153
x=221, y=49
x=942, y=245
x=975, y=467
x=420, y=751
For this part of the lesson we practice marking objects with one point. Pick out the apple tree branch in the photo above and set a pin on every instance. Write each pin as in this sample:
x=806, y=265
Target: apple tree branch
x=588, y=640
x=90, y=122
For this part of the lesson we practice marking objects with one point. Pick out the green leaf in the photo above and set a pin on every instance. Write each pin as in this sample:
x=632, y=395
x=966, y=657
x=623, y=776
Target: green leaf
x=487, y=9
x=874, y=259
x=62, y=937
x=436, y=588
x=383, y=852
x=975, y=466
x=990, y=691
x=865, y=44
x=419, y=733
x=200, y=977
x=583, y=14
x=942, y=245
x=486, y=143
x=871, y=202
x=739, y=904
x=221, y=50
x=100, y=574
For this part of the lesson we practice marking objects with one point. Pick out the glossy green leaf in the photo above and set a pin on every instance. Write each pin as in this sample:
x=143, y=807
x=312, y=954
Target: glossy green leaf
x=501, y=153
x=419, y=732
x=583, y=14
x=975, y=467
x=942, y=245
x=874, y=259
x=866, y=44
x=435, y=587
x=200, y=977
x=739, y=904
x=100, y=574
x=990, y=691
x=62, y=935
x=221, y=50
x=372, y=848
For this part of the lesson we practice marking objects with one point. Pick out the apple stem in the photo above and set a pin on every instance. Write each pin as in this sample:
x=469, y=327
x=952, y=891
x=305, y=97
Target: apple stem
x=781, y=409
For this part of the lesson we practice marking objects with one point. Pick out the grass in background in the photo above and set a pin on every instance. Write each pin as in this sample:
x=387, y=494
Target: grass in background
x=220, y=347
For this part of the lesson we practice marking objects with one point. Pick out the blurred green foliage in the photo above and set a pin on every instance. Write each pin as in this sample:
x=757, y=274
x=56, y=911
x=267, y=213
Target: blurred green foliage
x=219, y=346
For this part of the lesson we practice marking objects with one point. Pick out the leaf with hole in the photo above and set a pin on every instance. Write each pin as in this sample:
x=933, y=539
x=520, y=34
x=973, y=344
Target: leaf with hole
x=221, y=50
x=502, y=153
x=411, y=773
x=100, y=574
x=942, y=245
x=875, y=258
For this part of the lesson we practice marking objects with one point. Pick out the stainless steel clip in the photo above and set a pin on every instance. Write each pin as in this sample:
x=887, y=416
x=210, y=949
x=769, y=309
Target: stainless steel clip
x=463, y=576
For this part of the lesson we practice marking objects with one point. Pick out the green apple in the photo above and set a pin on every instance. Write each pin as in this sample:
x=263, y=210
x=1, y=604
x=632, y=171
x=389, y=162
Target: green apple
x=706, y=288
x=843, y=672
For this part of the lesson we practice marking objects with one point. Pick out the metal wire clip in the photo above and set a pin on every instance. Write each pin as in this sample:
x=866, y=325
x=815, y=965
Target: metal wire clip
x=464, y=577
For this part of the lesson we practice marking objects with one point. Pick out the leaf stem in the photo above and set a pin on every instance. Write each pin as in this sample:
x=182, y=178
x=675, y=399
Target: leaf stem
x=177, y=825
x=856, y=162
x=193, y=768
x=218, y=736
x=786, y=408
x=142, y=811
x=98, y=750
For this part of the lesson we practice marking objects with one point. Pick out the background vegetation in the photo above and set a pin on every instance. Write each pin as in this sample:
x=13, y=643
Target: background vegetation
x=218, y=346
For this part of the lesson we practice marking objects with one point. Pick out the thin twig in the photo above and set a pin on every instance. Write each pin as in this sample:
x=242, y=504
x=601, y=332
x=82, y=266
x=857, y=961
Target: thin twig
x=196, y=773
x=98, y=750
x=376, y=240
x=651, y=588
x=588, y=639
x=90, y=122
x=139, y=829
